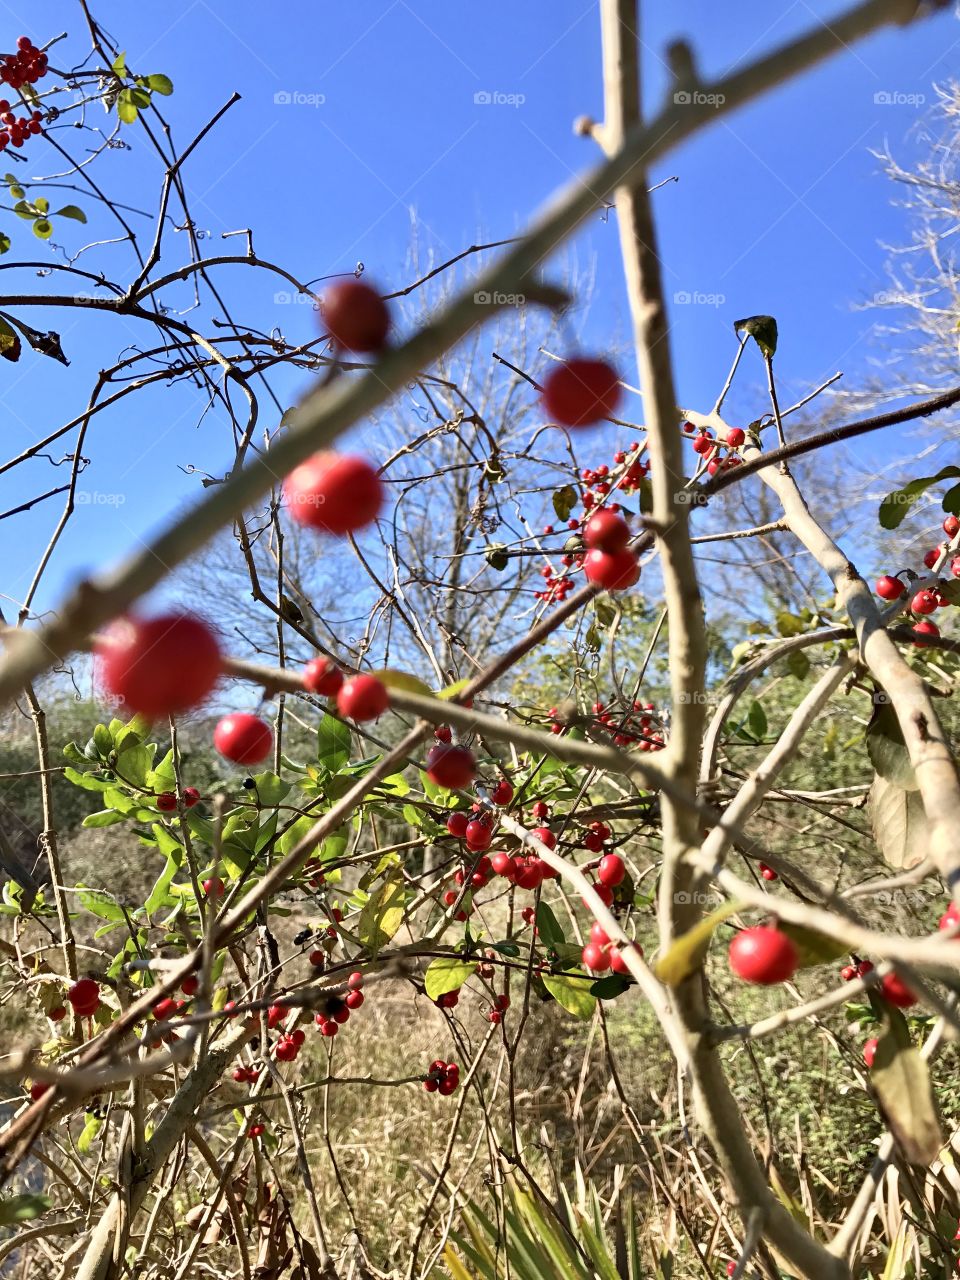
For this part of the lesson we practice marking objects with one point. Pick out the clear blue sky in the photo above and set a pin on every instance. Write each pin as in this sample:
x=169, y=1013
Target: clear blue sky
x=779, y=208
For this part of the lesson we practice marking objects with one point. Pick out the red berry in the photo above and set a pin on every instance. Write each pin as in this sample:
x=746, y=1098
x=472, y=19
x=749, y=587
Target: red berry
x=541, y=809
x=925, y=628
x=450, y=767
x=611, y=571
x=84, y=996
x=924, y=602
x=338, y=493
x=214, y=887
x=611, y=870
x=931, y=557
x=768, y=873
x=323, y=677
x=57, y=1014
x=275, y=1015
x=353, y=999
x=317, y=958
x=442, y=733
x=190, y=986
x=495, y=1016
x=363, y=697
x=618, y=964
x=604, y=893
x=735, y=437
x=159, y=666
x=951, y=526
x=191, y=796
x=606, y=532
x=355, y=981
x=38, y=1089
x=763, y=955
x=164, y=1008
x=502, y=865
x=870, y=1051
x=599, y=935
x=502, y=793
x=593, y=841
x=581, y=392
x=895, y=990
x=527, y=873
x=243, y=739
x=595, y=957
x=545, y=836
x=457, y=825
x=166, y=801
x=256, y=1130
x=357, y=318
x=479, y=836
x=848, y=972
x=889, y=588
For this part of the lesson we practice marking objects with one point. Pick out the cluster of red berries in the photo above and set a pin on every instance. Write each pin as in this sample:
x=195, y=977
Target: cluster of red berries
x=607, y=562
x=709, y=447
x=26, y=66
x=501, y=1004
x=601, y=953
x=928, y=599
x=246, y=1075
x=289, y=1045
x=640, y=726
x=476, y=832
x=443, y=1077
x=17, y=128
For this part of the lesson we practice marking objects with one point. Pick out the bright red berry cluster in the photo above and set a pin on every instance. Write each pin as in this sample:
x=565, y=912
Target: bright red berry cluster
x=443, y=1077
x=16, y=129
x=601, y=953
x=926, y=600
x=718, y=454
x=26, y=66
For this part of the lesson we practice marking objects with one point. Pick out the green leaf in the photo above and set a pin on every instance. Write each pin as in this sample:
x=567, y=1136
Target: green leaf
x=686, y=954
x=158, y=83
x=447, y=974
x=757, y=720
x=813, y=948
x=333, y=744
x=608, y=988
x=270, y=789
x=43, y=228
x=101, y=904
x=404, y=681
x=160, y=895
x=126, y=110
x=139, y=97
x=22, y=1208
x=496, y=556
x=788, y=624
x=551, y=935
x=763, y=330
x=103, y=818
x=382, y=916
x=564, y=500
x=89, y=1133
x=41, y=204
x=24, y=210
x=452, y=690
x=572, y=994
x=4, y=242
x=895, y=505
x=886, y=746
x=798, y=664
x=70, y=211
x=120, y=65
x=900, y=1076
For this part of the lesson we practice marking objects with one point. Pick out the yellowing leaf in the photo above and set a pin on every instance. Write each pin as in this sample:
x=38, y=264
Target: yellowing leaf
x=900, y=1076
x=572, y=994
x=447, y=973
x=382, y=916
x=404, y=681
x=686, y=954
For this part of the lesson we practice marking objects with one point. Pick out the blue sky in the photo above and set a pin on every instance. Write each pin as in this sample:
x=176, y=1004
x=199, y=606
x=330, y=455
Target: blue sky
x=779, y=208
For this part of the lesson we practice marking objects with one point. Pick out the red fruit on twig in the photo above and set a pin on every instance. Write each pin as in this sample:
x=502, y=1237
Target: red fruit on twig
x=159, y=666
x=763, y=955
x=243, y=739
x=355, y=315
x=580, y=392
x=336, y=493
